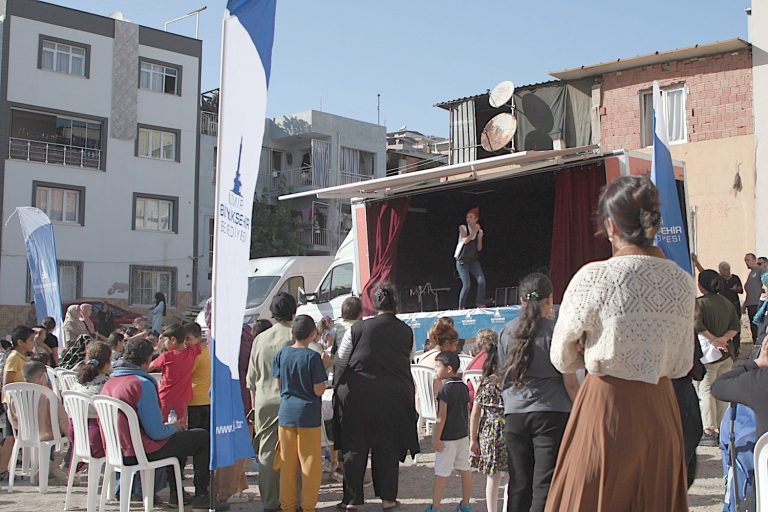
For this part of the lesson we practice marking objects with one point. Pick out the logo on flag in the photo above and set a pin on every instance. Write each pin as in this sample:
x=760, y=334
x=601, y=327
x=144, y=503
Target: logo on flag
x=671, y=237
x=246, y=60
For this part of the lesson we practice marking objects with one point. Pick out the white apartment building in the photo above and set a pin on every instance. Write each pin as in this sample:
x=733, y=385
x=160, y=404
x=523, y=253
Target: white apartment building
x=300, y=152
x=99, y=123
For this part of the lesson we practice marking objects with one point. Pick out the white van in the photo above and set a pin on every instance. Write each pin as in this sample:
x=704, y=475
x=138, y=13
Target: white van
x=269, y=276
x=339, y=282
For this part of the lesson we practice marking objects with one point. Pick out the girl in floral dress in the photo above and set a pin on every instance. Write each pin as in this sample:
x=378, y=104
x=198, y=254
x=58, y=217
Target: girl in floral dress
x=489, y=444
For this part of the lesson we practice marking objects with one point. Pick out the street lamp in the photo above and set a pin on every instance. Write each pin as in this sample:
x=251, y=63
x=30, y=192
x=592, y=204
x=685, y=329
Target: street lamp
x=195, y=13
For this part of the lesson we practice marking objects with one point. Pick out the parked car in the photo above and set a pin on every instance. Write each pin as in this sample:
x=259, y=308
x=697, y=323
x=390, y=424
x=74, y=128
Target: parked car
x=106, y=316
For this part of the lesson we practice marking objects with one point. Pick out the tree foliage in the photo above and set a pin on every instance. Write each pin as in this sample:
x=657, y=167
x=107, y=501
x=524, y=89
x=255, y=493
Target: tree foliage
x=274, y=230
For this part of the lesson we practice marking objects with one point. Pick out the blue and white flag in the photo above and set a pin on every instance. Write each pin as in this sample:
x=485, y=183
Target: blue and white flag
x=249, y=27
x=671, y=238
x=37, y=230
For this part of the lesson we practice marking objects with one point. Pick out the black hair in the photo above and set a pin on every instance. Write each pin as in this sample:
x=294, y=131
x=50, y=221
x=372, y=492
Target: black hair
x=450, y=359
x=193, y=329
x=131, y=331
x=173, y=331
x=262, y=325
x=351, y=308
x=20, y=333
x=114, y=339
x=97, y=356
x=283, y=307
x=711, y=281
x=31, y=370
x=160, y=297
x=762, y=258
x=49, y=323
x=533, y=288
x=138, y=351
x=750, y=254
x=632, y=203
x=303, y=327
x=5, y=344
x=491, y=361
x=385, y=298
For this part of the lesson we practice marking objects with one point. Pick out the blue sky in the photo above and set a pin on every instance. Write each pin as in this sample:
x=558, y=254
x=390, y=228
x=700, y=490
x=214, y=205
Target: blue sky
x=339, y=54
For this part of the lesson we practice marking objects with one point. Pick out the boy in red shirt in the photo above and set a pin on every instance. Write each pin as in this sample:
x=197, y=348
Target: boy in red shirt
x=176, y=363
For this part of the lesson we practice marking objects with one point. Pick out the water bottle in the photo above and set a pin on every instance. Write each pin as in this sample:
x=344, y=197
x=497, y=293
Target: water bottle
x=172, y=417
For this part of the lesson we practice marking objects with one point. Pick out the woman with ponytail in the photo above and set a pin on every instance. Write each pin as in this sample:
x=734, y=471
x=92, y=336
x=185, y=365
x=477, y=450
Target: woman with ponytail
x=537, y=398
x=716, y=326
x=628, y=321
x=374, y=401
x=92, y=374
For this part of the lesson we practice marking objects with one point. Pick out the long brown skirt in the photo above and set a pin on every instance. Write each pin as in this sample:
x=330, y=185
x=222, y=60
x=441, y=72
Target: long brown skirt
x=622, y=450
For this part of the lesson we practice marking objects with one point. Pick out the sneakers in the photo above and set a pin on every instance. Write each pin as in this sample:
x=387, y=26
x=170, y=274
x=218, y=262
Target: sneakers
x=710, y=439
x=461, y=507
x=201, y=503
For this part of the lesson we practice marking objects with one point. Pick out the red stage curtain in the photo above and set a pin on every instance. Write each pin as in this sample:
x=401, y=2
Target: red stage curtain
x=385, y=221
x=574, y=243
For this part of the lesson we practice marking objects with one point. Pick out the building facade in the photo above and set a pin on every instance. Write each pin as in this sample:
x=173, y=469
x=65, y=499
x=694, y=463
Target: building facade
x=707, y=94
x=758, y=34
x=409, y=151
x=300, y=152
x=100, y=130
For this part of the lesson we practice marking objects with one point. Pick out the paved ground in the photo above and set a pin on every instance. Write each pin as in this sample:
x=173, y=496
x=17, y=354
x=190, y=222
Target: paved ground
x=415, y=490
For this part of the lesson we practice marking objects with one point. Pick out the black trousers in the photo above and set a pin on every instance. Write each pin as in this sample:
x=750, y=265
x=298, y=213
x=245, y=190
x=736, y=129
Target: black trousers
x=193, y=443
x=357, y=443
x=751, y=312
x=199, y=416
x=533, y=440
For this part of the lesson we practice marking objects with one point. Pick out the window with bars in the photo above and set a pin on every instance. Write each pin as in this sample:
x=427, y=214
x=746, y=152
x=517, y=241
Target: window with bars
x=158, y=144
x=160, y=77
x=146, y=281
x=63, y=56
x=61, y=203
x=154, y=213
x=70, y=281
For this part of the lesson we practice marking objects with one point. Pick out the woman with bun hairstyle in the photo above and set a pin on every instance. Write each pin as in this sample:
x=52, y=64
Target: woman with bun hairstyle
x=628, y=321
x=716, y=326
x=92, y=374
x=442, y=338
x=467, y=255
x=374, y=395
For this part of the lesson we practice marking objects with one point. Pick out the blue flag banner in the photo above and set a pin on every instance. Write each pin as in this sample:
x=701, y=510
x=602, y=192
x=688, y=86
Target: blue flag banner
x=671, y=238
x=37, y=230
x=248, y=33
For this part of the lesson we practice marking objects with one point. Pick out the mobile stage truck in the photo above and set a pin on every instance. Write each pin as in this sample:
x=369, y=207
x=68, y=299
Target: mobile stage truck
x=536, y=210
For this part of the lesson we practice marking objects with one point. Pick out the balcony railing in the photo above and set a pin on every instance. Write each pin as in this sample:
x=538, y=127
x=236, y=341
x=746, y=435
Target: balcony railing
x=351, y=177
x=293, y=179
x=209, y=123
x=57, y=154
x=314, y=237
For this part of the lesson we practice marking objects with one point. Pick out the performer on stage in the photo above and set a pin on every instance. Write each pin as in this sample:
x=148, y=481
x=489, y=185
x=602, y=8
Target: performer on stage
x=467, y=252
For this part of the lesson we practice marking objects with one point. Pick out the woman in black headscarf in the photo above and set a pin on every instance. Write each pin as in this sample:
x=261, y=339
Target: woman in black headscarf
x=375, y=401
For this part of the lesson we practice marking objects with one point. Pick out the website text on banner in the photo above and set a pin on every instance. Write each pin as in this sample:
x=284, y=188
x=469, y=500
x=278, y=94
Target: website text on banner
x=37, y=230
x=246, y=55
x=671, y=237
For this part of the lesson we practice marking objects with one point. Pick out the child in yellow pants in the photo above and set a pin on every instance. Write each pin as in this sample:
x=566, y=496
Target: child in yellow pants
x=301, y=379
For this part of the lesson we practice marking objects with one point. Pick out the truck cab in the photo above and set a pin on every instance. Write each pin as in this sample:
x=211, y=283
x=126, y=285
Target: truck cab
x=339, y=282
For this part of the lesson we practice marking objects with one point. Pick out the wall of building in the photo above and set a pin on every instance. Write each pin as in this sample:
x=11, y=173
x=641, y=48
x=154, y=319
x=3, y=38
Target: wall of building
x=718, y=100
x=205, y=212
x=720, y=142
x=759, y=39
x=106, y=244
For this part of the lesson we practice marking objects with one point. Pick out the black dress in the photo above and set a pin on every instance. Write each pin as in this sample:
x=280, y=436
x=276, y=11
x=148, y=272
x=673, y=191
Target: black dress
x=374, y=406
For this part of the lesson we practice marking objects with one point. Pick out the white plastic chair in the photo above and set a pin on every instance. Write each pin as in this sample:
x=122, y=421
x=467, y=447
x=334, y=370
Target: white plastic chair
x=77, y=406
x=112, y=413
x=53, y=378
x=25, y=400
x=423, y=378
x=474, y=377
x=67, y=380
x=761, y=472
x=464, y=361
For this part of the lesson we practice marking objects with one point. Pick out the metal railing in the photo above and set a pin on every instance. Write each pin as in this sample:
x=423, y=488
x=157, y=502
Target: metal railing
x=293, y=179
x=351, y=177
x=209, y=123
x=314, y=237
x=57, y=154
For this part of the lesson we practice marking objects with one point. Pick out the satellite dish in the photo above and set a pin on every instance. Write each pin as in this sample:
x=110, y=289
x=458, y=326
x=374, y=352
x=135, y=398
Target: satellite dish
x=501, y=94
x=117, y=15
x=498, y=132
